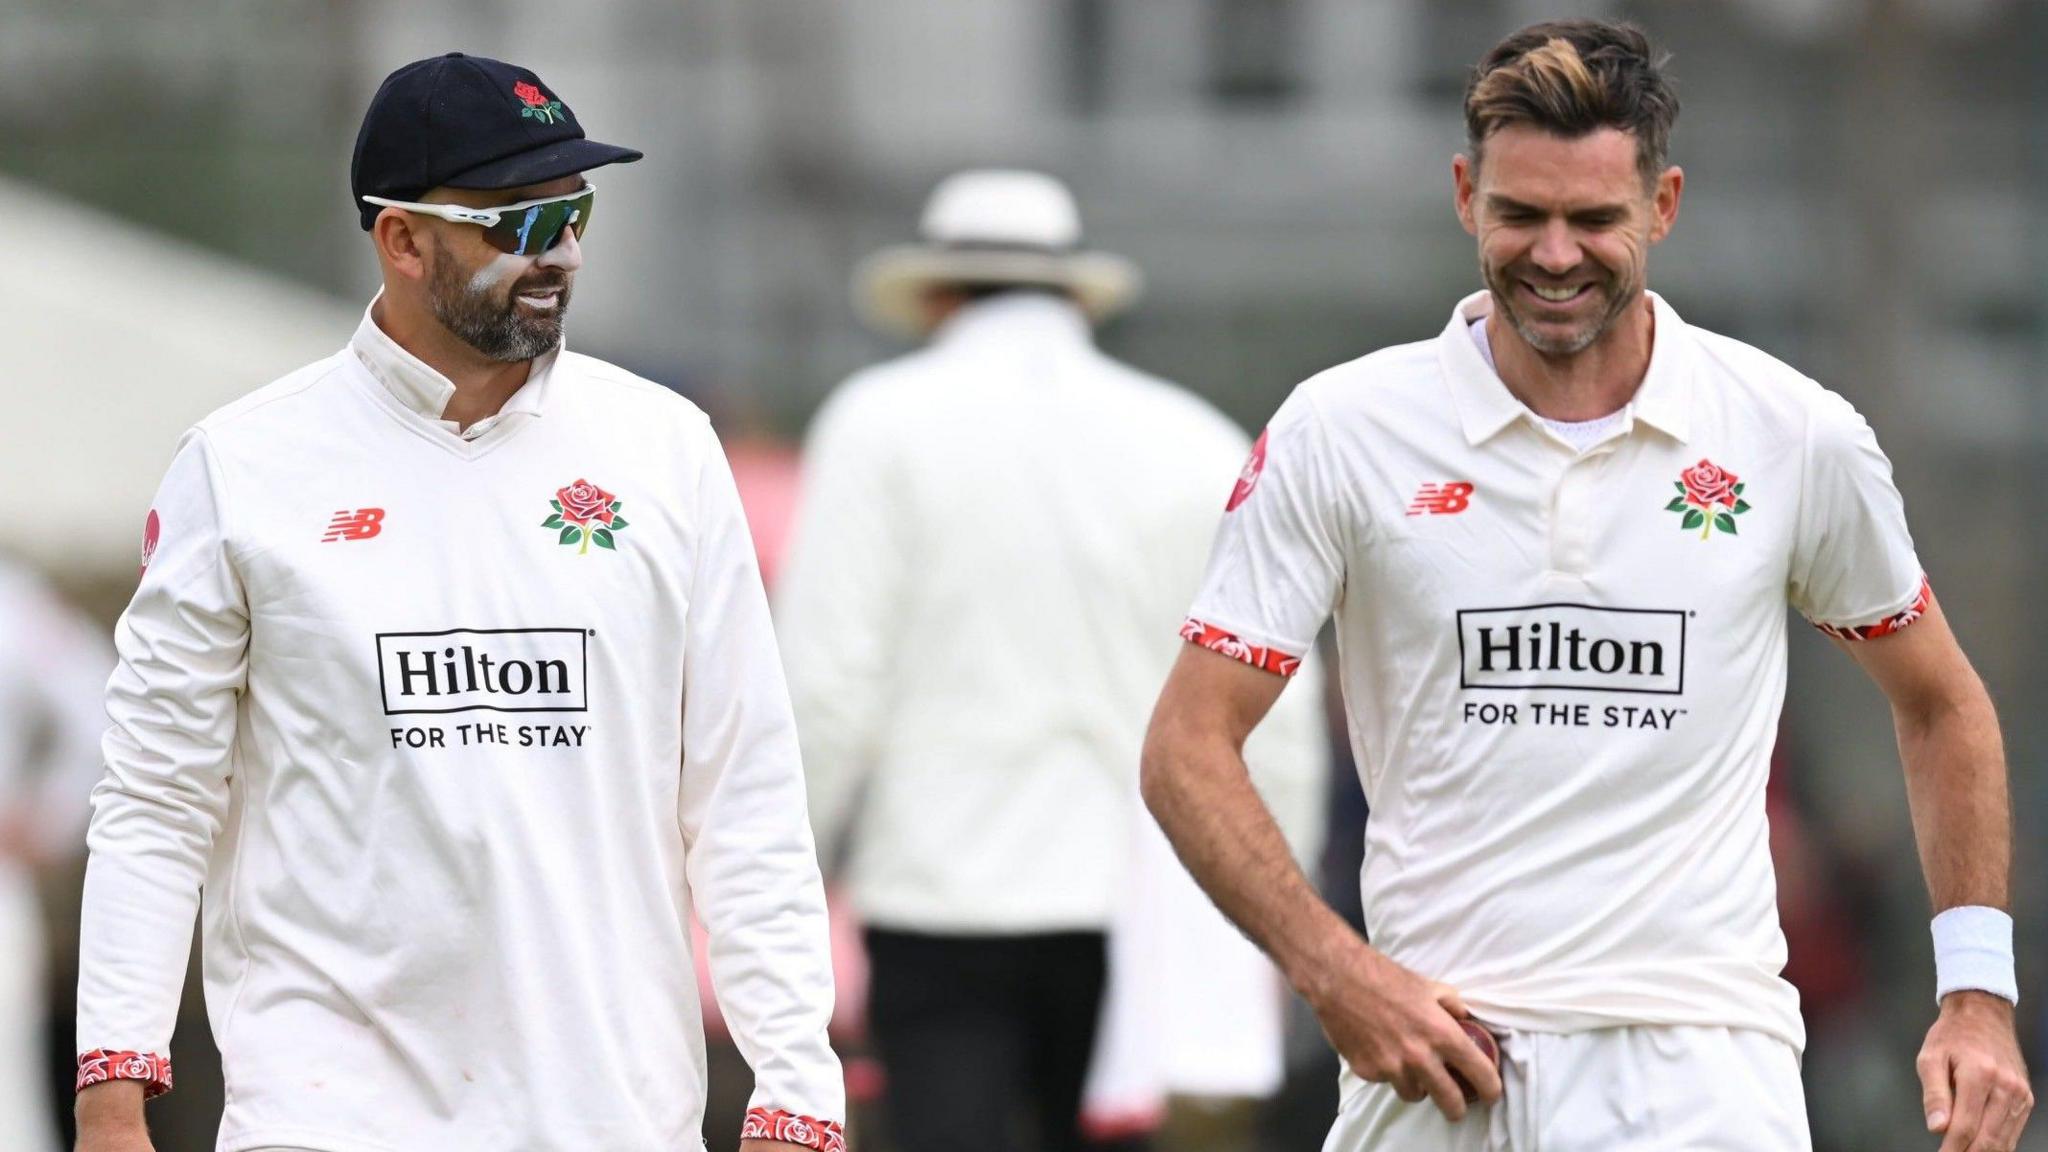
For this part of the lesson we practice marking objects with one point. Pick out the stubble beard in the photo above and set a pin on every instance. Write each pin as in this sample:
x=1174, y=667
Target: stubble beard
x=489, y=320
x=1619, y=294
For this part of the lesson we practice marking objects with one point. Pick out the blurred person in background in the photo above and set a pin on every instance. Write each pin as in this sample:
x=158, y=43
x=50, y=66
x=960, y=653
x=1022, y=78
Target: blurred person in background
x=53, y=673
x=995, y=532
x=449, y=848
x=1564, y=679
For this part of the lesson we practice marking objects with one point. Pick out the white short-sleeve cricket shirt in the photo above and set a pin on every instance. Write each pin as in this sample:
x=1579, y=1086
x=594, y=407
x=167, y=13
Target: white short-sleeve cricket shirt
x=1563, y=668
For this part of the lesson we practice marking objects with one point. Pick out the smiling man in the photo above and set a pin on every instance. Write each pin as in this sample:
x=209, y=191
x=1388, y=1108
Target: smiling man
x=1559, y=541
x=449, y=682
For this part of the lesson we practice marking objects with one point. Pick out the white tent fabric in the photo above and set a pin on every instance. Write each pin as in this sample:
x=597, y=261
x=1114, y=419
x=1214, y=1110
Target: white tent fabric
x=116, y=339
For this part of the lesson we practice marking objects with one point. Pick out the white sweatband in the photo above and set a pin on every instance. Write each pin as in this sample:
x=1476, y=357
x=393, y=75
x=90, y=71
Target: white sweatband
x=1973, y=951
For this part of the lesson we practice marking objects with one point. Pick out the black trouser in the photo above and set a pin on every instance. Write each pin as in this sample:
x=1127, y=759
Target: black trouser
x=985, y=1039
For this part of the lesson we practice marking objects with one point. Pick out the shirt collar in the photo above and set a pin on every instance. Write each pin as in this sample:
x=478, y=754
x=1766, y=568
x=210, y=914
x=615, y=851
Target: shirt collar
x=416, y=385
x=1485, y=406
x=1014, y=316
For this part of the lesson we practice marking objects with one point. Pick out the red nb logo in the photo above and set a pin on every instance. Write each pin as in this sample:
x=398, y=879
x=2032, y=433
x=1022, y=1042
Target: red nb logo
x=360, y=524
x=1441, y=499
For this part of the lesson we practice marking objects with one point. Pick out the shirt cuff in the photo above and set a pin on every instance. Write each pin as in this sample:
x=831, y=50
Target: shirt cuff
x=1217, y=640
x=101, y=1065
x=1889, y=624
x=775, y=1124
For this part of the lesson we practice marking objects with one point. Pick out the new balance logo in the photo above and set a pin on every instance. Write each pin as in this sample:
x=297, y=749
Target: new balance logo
x=360, y=524
x=1441, y=499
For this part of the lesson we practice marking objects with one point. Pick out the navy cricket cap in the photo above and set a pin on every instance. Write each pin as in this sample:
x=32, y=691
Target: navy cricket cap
x=459, y=121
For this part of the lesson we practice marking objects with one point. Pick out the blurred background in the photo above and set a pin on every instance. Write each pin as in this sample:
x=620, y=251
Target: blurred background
x=1867, y=198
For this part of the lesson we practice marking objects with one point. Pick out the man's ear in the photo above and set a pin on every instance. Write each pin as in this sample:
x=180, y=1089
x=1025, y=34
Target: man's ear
x=400, y=243
x=1464, y=181
x=1670, y=191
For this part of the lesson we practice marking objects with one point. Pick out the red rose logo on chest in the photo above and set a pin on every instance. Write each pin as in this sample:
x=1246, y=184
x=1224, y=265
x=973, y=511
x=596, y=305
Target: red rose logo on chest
x=586, y=514
x=1710, y=497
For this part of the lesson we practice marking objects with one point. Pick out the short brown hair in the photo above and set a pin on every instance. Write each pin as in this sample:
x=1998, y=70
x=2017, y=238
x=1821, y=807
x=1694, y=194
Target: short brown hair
x=1574, y=77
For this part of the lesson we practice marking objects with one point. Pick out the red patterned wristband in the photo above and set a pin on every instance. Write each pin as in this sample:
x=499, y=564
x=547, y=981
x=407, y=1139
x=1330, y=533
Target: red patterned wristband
x=767, y=1124
x=101, y=1065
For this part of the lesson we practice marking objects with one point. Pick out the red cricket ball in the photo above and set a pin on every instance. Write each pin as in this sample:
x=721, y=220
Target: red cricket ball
x=1487, y=1044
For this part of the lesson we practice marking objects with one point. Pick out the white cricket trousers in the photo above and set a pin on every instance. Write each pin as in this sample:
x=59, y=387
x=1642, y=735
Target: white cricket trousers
x=1645, y=1089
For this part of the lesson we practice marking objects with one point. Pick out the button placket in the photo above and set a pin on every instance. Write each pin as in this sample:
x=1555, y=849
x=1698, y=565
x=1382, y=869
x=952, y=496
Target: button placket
x=1572, y=511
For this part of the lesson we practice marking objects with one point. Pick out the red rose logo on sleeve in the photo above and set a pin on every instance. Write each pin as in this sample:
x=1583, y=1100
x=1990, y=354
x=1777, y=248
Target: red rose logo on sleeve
x=586, y=514
x=1248, y=479
x=1710, y=497
x=152, y=531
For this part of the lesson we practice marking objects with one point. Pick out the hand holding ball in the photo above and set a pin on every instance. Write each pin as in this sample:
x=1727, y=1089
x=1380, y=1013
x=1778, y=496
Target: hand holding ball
x=1487, y=1044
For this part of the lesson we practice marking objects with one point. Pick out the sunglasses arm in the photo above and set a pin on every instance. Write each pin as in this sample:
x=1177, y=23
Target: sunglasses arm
x=464, y=214
x=457, y=213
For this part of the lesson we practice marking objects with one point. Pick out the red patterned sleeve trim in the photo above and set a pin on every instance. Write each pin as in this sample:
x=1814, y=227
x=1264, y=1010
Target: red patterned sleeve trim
x=101, y=1065
x=1889, y=624
x=1217, y=640
x=767, y=1124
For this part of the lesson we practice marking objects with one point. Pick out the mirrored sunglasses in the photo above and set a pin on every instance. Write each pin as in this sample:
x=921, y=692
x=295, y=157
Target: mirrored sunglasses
x=527, y=228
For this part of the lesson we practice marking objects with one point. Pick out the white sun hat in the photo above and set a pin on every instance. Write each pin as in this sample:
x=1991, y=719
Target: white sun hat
x=992, y=226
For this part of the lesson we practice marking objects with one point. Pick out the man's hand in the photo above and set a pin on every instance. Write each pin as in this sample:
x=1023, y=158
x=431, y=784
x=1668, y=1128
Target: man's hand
x=1973, y=1082
x=1391, y=1026
x=110, y=1118
x=1388, y=1024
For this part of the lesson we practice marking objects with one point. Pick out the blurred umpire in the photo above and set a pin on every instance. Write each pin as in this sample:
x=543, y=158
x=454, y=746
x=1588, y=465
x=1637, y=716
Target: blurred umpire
x=997, y=532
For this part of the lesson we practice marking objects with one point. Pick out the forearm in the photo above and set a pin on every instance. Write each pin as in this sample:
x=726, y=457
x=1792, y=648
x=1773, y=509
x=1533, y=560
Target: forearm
x=1962, y=811
x=1202, y=796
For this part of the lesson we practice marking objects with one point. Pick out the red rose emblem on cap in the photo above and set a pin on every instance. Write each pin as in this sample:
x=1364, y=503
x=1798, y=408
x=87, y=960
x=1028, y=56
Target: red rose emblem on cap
x=538, y=106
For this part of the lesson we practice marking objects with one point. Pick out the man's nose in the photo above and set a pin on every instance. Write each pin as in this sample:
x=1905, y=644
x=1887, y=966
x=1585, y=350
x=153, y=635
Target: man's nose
x=1557, y=251
x=567, y=254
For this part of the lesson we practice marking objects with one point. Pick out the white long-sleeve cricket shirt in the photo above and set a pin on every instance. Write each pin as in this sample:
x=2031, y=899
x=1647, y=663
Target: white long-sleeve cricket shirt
x=454, y=732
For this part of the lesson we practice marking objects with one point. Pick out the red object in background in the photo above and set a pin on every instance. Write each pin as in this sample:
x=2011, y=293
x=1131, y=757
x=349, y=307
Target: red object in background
x=767, y=473
x=1825, y=959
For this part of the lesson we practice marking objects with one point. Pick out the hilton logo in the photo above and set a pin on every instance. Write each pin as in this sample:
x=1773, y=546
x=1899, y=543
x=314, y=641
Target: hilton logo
x=484, y=669
x=1574, y=646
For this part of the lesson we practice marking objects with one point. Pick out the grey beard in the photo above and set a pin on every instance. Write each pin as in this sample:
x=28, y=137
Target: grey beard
x=1617, y=303
x=1551, y=347
x=492, y=327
